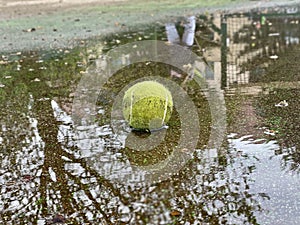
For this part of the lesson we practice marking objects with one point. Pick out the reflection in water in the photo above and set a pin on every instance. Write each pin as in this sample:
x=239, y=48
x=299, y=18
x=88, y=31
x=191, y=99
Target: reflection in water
x=280, y=190
x=255, y=41
x=284, y=122
x=253, y=179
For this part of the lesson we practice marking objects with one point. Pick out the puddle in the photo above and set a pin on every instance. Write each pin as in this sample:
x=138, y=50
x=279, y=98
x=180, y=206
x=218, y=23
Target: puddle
x=274, y=181
x=55, y=169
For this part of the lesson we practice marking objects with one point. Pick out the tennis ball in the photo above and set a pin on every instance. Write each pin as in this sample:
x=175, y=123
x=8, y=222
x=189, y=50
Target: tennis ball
x=147, y=105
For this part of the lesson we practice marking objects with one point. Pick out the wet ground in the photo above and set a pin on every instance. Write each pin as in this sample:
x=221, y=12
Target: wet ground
x=230, y=154
x=51, y=24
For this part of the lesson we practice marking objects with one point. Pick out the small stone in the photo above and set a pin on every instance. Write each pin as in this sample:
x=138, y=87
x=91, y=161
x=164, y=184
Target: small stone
x=30, y=30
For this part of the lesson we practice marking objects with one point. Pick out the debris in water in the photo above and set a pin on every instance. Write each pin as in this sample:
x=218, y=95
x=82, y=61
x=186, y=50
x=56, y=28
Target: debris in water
x=175, y=213
x=27, y=178
x=175, y=74
x=270, y=132
x=283, y=103
x=30, y=30
x=274, y=57
x=57, y=219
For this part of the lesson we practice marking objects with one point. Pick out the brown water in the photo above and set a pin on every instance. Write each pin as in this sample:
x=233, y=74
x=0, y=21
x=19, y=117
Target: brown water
x=55, y=169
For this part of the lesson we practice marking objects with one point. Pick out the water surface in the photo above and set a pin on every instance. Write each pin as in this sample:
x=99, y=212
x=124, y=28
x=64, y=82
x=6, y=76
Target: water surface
x=53, y=171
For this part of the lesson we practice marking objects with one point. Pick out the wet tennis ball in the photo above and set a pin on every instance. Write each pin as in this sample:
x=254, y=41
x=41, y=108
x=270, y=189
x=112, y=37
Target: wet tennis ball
x=147, y=105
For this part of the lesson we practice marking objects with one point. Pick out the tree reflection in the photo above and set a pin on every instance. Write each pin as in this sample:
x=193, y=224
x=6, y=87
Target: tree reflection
x=46, y=179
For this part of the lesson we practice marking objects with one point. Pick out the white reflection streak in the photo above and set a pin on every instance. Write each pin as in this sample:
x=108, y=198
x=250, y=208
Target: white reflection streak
x=19, y=193
x=52, y=174
x=61, y=116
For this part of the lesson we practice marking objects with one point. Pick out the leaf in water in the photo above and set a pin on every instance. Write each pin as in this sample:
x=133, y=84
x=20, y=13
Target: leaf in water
x=27, y=178
x=264, y=195
x=56, y=219
x=175, y=213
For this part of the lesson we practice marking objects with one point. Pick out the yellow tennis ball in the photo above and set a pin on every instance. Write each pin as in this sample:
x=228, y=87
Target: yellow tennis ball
x=147, y=105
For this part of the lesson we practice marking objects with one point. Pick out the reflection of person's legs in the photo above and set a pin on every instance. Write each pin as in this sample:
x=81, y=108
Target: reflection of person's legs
x=172, y=33
x=187, y=40
x=188, y=35
x=189, y=31
x=173, y=38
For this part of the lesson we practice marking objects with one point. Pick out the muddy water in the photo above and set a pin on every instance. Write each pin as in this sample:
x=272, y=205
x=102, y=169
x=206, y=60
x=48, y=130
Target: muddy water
x=56, y=170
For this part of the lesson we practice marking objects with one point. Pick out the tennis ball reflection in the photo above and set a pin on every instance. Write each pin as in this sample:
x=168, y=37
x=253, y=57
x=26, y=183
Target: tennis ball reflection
x=147, y=105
